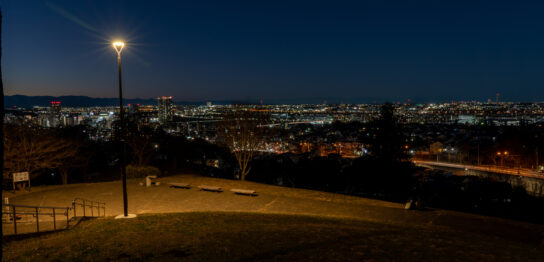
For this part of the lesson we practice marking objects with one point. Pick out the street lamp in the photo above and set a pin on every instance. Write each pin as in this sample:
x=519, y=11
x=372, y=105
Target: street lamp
x=118, y=46
x=502, y=155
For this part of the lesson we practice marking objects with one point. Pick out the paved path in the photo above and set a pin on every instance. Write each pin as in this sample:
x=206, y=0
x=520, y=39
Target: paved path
x=162, y=199
x=271, y=199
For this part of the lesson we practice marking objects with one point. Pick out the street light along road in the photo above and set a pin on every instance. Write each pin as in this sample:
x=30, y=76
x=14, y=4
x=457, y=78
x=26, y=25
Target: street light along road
x=119, y=46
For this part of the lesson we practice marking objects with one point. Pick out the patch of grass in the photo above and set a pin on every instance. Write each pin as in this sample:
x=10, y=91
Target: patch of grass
x=221, y=236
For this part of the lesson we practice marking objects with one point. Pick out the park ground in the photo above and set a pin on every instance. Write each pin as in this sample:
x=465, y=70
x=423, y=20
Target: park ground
x=280, y=224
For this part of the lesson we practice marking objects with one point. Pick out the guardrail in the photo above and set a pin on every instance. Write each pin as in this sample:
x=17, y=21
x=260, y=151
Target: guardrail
x=84, y=203
x=486, y=168
x=11, y=214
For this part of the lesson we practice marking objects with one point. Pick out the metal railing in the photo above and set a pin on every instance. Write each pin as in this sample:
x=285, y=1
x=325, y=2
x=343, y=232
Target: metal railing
x=13, y=212
x=46, y=218
x=84, y=204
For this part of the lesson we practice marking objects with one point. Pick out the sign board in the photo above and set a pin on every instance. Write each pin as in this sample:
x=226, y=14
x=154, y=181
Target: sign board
x=21, y=177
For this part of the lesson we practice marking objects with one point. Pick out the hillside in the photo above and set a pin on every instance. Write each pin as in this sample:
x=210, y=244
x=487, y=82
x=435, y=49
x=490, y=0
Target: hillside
x=276, y=225
x=218, y=236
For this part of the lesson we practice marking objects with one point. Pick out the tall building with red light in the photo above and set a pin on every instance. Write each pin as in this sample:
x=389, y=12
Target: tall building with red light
x=55, y=107
x=55, y=114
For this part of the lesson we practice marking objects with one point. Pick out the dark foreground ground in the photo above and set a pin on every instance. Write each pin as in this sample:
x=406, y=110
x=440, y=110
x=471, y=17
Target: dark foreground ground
x=232, y=236
x=281, y=224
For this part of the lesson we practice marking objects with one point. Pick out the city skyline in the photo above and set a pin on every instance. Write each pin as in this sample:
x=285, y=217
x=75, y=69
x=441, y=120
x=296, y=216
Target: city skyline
x=24, y=101
x=303, y=52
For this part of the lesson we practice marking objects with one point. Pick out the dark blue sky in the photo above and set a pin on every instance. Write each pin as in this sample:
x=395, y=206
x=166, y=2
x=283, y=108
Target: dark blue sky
x=356, y=51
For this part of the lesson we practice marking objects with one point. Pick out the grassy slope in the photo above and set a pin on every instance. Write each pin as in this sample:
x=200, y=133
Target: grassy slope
x=227, y=236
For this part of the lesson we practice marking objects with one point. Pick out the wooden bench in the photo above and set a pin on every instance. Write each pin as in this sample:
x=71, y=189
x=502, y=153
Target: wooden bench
x=246, y=192
x=210, y=188
x=180, y=185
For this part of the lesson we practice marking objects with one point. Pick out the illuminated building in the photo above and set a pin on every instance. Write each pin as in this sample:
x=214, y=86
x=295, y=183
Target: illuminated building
x=55, y=114
x=165, y=109
x=55, y=107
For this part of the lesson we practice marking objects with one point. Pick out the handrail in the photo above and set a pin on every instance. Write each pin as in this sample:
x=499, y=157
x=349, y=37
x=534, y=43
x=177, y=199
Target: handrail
x=83, y=203
x=78, y=198
x=12, y=212
x=17, y=205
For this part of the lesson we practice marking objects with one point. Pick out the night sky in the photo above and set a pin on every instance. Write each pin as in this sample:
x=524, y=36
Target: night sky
x=358, y=51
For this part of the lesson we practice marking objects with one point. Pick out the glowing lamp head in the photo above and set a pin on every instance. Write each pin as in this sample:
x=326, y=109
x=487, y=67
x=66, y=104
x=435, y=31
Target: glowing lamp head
x=118, y=46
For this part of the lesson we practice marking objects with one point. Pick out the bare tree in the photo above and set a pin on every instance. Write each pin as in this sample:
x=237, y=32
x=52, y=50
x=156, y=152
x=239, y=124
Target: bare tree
x=77, y=158
x=140, y=144
x=32, y=149
x=242, y=130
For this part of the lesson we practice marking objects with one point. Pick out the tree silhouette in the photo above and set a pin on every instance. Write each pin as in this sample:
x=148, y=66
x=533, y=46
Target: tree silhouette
x=139, y=140
x=388, y=142
x=242, y=130
x=77, y=136
x=33, y=149
x=388, y=172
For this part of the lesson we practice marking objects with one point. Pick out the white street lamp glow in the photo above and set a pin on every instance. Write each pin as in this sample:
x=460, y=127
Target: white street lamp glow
x=118, y=46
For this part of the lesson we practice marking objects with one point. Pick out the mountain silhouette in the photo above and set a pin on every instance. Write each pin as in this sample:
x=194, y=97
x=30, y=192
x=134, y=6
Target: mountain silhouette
x=77, y=101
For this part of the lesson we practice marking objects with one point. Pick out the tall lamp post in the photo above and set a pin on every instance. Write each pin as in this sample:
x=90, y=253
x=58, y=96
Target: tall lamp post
x=118, y=46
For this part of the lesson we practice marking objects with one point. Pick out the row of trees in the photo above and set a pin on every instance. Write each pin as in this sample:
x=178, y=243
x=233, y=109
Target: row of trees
x=243, y=131
x=33, y=149
x=369, y=176
x=64, y=150
x=386, y=172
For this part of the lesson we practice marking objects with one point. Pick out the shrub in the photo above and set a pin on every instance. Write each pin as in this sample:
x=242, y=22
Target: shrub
x=134, y=171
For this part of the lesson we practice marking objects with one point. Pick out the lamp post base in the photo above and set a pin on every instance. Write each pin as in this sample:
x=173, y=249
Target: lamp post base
x=127, y=216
